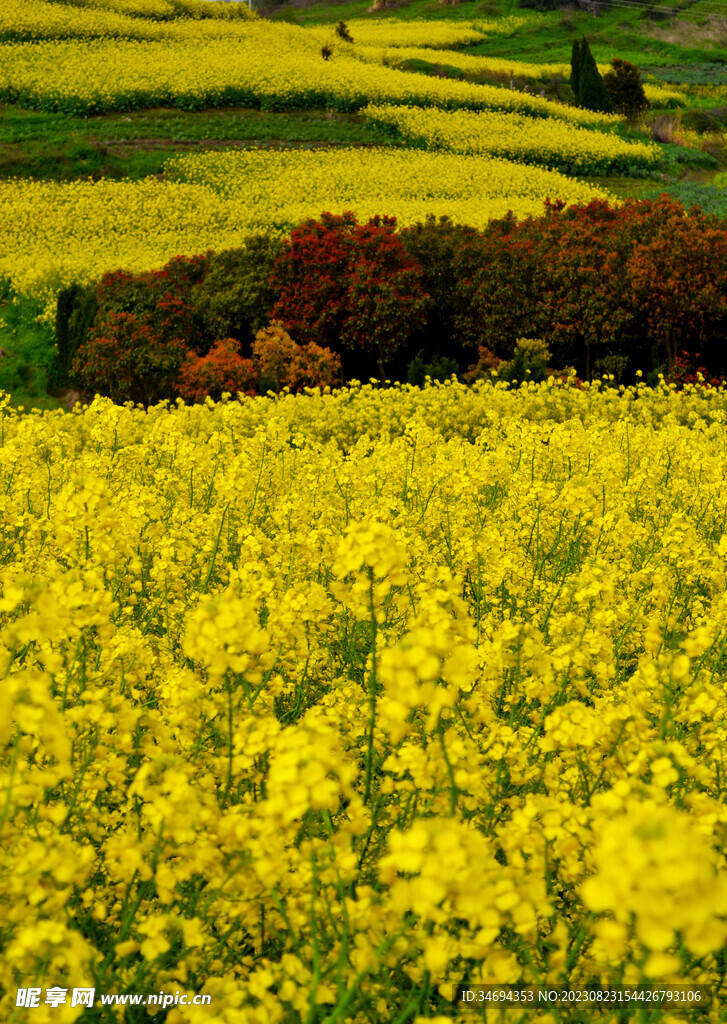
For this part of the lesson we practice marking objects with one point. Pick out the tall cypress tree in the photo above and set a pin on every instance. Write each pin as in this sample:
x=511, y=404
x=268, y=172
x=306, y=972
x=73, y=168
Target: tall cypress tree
x=591, y=91
x=575, y=69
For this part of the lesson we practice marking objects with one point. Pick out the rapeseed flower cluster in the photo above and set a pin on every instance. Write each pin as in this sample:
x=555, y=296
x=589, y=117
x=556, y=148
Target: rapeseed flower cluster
x=21, y=21
x=163, y=19
x=547, y=143
x=321, y=703
x=438, y=34
x=116, y=19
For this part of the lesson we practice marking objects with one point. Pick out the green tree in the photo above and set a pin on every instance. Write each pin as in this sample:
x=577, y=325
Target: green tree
x=76, y=311
x=591, y=91
x=234, y=298
x=625, y=88
x=575, y=68
x=434, y=244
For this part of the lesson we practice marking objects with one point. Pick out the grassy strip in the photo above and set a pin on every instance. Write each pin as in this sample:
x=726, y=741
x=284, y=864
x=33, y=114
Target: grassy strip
x=612, y=36
x=552, y=88
x=135, y=145
x=20, y=125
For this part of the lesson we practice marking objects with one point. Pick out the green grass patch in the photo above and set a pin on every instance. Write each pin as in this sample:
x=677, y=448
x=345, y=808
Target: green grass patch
x=690, y=74
x=28, y=403
x=234, y=124
x=625, y=187
x=66, y=161
x=710, y=197
x=27, y=350
x=615, y=34
x=484, y=77
x=677, y=157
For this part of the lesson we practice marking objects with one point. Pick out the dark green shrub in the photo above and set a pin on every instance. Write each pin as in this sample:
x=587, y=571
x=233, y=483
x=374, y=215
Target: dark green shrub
x=441, y=369
x=437, y=245
x=235, y=297
x=499, y=279
x=343, y=33
x=575, y=68
x=591, y=92
x=705, y=120
x=27, y=353
x=540, y=5
x=530, y=361
x=625, y=88
x=76, y=311
x=614, y=363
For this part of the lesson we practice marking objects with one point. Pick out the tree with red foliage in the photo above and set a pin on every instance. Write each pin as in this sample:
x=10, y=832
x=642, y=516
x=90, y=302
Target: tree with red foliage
x=688, y=371
x=344, y=285
x=555, y=276
x=603, y=285
x=127, y=360
x=579, y=308
x=143, y=294
x=141, y=331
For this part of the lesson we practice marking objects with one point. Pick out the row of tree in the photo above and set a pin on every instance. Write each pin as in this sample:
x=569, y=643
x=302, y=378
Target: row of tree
x=609, y=290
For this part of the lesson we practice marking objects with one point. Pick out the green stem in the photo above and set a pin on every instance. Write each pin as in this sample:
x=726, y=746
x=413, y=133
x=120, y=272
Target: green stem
x=372, y=693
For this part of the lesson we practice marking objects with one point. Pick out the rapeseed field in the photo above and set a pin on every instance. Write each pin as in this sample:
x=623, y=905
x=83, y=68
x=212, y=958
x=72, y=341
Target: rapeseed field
x=324, y=704
x=57, y=233
x=498, y=67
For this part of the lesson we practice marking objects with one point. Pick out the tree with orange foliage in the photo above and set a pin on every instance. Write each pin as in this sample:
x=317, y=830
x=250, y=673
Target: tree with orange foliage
x=280, y=362
x=678, y=280
x=222, y=369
